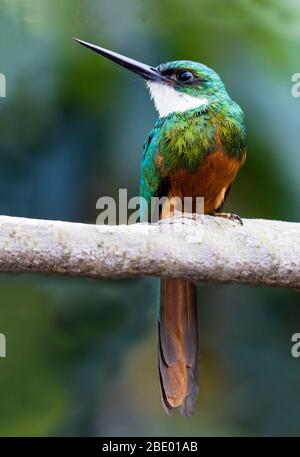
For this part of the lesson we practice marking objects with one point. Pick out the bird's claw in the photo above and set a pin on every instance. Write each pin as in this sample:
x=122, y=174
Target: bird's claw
x=229, y=216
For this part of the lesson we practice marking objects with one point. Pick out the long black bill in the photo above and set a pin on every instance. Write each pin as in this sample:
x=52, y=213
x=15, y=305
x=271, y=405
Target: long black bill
x=147, y=72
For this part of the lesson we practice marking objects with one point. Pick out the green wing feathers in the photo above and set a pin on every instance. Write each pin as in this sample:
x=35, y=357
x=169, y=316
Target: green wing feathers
x=183, y=140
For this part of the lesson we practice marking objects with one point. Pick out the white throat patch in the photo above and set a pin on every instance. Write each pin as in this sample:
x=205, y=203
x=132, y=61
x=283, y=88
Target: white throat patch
x=168, y=100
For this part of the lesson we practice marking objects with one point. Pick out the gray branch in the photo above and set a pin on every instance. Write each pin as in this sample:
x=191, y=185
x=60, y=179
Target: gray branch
x=208, y=249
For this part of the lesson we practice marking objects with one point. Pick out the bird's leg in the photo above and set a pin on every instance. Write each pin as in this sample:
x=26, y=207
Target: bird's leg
x=229, y=216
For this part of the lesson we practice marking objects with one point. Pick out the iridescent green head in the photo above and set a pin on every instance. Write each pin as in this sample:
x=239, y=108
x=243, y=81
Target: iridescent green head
x=188, y=85
x=192, y=78
x=177, y=86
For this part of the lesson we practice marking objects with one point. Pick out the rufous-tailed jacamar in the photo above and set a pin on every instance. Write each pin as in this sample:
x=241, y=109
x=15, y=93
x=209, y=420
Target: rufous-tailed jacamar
x=195, y=149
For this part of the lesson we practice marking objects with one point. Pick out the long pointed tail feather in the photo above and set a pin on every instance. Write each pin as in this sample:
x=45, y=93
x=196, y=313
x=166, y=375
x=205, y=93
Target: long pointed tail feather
x=178, y=348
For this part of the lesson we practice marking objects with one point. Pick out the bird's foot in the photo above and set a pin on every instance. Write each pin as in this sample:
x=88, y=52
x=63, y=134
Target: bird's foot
x=229, y=216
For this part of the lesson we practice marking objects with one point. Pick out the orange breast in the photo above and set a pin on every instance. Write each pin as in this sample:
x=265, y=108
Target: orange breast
x=211, y=180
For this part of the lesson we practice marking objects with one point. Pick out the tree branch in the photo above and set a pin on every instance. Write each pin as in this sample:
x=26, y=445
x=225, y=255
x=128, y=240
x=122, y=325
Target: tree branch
x=259, y=252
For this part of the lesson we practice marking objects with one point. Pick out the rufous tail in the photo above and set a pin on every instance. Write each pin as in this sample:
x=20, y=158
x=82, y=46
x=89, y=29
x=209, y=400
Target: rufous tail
x=178, y=347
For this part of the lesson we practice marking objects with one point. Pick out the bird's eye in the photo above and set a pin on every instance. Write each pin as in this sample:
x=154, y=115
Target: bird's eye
x=184, y=76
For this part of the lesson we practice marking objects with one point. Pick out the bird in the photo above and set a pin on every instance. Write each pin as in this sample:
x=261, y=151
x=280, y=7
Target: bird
x=195, y=149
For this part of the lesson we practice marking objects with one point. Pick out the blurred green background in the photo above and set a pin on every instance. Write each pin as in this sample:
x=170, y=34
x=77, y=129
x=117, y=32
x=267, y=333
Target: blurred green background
x=81, y=355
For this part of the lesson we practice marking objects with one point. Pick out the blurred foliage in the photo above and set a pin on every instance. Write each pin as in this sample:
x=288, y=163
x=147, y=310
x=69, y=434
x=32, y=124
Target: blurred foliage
x=81, y=355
